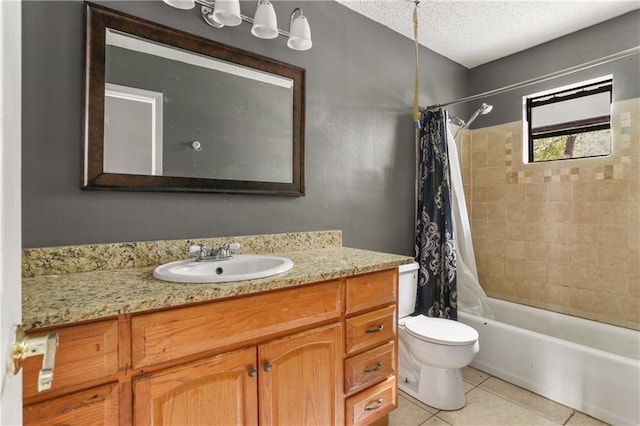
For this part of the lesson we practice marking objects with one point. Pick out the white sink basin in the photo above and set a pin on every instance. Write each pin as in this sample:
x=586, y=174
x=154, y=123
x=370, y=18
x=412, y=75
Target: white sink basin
x=240, y=267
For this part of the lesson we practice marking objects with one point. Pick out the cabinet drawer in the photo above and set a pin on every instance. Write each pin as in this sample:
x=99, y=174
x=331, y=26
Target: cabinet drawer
x=98, y=406
x=85, y=353
x=369, y=367
x=372, y=404
x=171, y=334
x=370, y=329
x=371, y=290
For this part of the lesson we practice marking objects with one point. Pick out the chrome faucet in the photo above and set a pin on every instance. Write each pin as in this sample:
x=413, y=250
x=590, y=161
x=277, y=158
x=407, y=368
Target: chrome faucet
x=224, y=252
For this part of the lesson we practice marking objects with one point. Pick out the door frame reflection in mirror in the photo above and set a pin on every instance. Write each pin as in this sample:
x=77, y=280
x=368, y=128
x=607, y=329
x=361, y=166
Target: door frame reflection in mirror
x=146, y=158
x=100, y=19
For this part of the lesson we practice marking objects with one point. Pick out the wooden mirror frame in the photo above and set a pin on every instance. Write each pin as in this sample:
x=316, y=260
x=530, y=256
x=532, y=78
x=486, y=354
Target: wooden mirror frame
x=98, y=20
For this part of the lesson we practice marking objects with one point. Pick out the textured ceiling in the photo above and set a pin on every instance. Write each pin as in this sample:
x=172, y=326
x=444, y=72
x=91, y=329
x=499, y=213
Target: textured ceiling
x=474, y=32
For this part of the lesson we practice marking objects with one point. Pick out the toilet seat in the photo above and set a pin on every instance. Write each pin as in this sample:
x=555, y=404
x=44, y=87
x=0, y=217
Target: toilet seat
x=441, y=331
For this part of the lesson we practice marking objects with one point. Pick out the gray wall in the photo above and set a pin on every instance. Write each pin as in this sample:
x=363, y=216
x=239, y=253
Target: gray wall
x=590, y=44
x=359, y=141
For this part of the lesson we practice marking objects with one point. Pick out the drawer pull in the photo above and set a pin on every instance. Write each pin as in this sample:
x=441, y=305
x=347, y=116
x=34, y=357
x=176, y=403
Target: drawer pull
x=375, y=406
x=372, y=369
x=375, y=330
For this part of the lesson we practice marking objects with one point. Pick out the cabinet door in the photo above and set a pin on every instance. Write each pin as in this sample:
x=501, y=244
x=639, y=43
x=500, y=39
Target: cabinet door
x=301, y=378
x=216, y=391
x=98, y=406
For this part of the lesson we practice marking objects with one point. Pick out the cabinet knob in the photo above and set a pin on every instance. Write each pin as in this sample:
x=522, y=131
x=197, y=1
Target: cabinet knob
x=375, y=330
x=375, y=406
x=253, y=372
x=267, y=366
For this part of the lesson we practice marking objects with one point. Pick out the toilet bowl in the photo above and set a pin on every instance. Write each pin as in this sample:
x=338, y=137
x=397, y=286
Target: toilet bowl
x=432, y=351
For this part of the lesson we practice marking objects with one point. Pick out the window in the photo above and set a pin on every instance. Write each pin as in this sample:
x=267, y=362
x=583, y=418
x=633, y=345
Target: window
x=570, y=122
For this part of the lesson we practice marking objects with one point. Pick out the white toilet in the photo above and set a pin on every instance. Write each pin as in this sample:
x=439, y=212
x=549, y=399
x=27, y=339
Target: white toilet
x=432, y=351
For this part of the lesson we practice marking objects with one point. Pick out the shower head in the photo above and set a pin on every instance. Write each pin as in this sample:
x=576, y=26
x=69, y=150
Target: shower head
x=483, y=110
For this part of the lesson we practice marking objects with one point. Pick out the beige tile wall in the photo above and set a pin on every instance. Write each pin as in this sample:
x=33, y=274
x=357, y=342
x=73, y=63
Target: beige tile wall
x=564, y=235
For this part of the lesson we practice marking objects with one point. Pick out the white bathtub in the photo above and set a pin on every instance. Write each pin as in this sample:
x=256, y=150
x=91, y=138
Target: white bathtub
x=586, y=365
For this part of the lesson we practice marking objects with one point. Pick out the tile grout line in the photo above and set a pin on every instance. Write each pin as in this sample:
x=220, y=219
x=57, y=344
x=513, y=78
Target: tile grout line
x=573, y=413
x=431, y=415
x=439, y=418
x=479, y=384
x=527, y=407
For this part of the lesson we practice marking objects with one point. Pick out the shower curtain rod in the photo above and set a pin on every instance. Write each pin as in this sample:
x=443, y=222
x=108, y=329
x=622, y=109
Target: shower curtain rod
x=525, y=83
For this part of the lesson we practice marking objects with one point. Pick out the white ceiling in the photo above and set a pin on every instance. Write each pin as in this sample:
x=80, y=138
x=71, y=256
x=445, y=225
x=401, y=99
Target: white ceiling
x=474, y=32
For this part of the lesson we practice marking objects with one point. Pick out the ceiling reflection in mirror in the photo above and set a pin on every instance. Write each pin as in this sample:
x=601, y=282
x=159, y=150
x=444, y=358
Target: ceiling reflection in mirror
x=159, y=100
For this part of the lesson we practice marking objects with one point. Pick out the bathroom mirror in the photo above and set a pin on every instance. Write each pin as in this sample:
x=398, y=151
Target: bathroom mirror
x=170, y=111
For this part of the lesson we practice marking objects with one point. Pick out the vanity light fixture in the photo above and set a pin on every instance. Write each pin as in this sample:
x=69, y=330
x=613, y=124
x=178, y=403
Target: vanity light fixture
x=220, y=13
x=265, y=23
x=299, y=32
x=227, y=12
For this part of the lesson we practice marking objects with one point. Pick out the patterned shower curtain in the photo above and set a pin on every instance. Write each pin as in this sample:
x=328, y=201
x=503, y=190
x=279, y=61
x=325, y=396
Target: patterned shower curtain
x=435, y=247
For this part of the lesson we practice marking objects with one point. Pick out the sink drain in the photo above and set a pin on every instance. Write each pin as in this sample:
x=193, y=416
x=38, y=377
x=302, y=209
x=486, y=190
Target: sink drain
x=219, y=271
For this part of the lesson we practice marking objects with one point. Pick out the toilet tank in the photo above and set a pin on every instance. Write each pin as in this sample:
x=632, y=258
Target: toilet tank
x=407, y=288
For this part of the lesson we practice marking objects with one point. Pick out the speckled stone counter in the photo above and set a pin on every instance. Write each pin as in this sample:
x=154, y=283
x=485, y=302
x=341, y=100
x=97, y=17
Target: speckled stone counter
x=79, y=296
x=100, y=257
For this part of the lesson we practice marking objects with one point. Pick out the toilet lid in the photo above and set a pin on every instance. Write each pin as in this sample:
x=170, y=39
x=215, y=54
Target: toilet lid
x=440, y=330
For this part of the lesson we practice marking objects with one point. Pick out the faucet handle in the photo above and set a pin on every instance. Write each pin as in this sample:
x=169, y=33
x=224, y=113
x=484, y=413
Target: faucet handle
x=228, y=250
x=198, y=249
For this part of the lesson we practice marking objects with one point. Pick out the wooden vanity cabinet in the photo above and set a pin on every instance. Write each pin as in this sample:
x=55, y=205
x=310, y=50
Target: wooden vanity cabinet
x=296, y=357
x=371, y=344
x=283, y=377
x=323, y=353
x=84, y=389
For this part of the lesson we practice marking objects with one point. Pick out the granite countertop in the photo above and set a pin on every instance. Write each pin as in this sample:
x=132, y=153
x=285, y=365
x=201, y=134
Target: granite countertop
x=60, y=299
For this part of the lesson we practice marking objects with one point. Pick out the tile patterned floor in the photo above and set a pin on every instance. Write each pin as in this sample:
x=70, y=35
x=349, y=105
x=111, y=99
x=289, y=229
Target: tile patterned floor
x=490, y=401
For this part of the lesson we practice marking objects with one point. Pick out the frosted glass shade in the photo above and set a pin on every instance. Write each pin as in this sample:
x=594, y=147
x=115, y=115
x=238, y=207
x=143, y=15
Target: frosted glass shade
x=227, y=12
x=181, y=4
x=299, y=32
x=265, y=24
